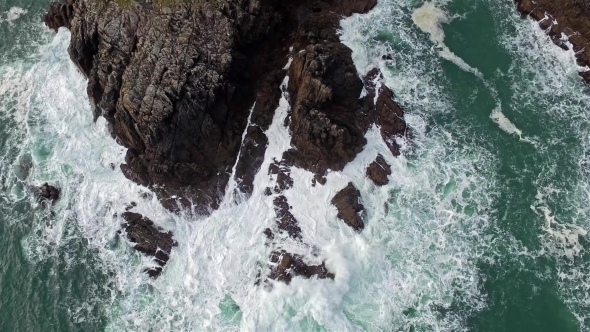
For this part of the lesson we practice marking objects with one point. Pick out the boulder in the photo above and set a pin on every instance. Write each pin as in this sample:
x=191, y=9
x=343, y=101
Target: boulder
x=349, y=207
x=378, y=171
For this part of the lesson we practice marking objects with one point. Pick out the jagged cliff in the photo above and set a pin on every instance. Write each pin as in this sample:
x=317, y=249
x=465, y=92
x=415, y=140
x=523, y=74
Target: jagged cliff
x=177, y=84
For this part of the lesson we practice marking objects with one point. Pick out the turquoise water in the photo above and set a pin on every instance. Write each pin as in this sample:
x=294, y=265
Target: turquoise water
x=482, y=228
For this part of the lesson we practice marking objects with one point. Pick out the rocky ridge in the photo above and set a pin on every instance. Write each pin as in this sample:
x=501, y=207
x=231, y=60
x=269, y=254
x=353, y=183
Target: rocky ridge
x=176, y=85
x=563, y=21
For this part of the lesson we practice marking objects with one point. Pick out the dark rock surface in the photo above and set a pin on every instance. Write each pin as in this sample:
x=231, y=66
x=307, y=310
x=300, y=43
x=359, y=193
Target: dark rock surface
x=176, y=85
x=286, y=221
x=378, y=171
x=570, y=17
x=47, y=194
x=149, y=239
x=60, y=14
x=286, y=266
x=347, y=201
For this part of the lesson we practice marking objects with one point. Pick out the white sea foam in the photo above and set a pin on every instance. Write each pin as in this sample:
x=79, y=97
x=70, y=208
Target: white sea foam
x=505, y=123
x=430, y=18
x=13, y=14
x=565, y=236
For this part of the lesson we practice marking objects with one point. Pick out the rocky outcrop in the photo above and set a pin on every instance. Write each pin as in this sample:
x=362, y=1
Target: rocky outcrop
x=329, y=118
x=176, y=85
x=378, y=171
x=149, y=239
x=60, y=14
x=47, y=194
x=191, y=87
x=563, y=20
x=348, y=204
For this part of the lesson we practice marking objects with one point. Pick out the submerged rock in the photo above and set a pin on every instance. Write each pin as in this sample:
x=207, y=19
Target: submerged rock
x=347, y=201
x=47, y=194
x=149, y=240
x=378, y=171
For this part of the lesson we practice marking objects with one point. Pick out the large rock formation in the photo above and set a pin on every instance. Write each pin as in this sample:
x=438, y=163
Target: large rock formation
x=180, y=86
x=563, y=20
x=59, y=15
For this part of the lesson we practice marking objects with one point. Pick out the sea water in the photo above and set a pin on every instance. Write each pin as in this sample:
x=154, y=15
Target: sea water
x=483, y=226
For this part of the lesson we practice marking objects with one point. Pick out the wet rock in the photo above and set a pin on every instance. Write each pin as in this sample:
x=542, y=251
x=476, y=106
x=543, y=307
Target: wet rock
x=283, y=173
x=563, y=17
x=327, y=123
x=286, y=266
x=378, y=171
x=387, y=57
x=285, y=219
x=47, y=194
x=60, y=14
x=130, y=206
x=389, y=116
x=347, y=201
x=320, y=179
x=250, y=159
x=149, y=239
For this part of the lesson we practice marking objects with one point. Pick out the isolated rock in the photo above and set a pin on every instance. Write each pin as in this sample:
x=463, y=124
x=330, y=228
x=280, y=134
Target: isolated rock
x=563, y=17
x=286, y=266
x=379, y=170
x=347, y=201
x=47, y=194
x=149, y=239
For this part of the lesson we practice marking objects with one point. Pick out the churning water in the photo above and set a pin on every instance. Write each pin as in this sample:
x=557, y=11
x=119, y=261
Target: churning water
x=483, y=226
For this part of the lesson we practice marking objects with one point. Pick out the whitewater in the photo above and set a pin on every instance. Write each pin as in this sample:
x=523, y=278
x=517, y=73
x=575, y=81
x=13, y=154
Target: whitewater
x=477, y=230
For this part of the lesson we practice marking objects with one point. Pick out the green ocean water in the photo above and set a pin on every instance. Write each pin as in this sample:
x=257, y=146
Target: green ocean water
x=486, y=222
